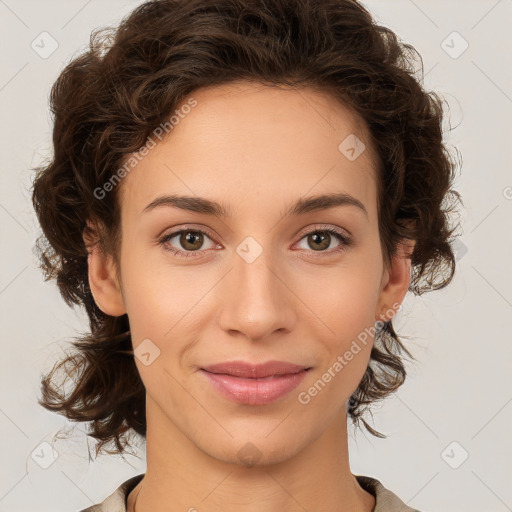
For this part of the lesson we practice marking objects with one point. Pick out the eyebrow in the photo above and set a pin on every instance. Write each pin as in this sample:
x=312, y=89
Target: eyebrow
x=209, y=207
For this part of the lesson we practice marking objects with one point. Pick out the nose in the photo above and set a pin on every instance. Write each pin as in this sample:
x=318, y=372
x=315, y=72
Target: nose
x=256, y=297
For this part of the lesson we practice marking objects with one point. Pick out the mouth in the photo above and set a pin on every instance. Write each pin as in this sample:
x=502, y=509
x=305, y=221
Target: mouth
x=254, y=384
x=255, y=371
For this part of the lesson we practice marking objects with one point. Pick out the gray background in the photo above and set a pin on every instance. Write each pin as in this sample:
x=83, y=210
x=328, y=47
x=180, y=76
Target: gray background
x=459, y=391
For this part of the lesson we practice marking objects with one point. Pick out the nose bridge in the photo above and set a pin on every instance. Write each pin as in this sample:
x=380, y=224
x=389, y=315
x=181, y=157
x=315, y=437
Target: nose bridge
x=256, y=302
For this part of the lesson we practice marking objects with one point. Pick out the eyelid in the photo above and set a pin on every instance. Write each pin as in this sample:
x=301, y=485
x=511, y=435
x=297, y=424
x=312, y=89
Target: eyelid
x=324, y=227
x=345, y=239
x=180, y=229
x=301, y=233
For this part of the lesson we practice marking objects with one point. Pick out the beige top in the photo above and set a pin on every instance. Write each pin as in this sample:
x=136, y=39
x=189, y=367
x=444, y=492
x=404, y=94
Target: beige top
x=385, y=501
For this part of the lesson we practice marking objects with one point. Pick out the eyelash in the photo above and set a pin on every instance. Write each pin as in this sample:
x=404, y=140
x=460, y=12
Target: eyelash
x=346, y=241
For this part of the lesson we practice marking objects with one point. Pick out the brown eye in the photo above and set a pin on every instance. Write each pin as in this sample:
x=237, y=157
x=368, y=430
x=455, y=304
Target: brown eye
x=188, y=242
x=319, y=242
x=191, y=240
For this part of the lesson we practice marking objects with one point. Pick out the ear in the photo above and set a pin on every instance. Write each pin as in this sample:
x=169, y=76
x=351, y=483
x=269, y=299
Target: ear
x=395, y=282
x=103, y=281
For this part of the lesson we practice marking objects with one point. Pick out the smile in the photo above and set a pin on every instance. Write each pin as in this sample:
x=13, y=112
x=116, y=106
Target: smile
x=250, y=384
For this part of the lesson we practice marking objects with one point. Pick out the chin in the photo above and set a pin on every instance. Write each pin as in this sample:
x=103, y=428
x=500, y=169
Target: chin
x=251, y=451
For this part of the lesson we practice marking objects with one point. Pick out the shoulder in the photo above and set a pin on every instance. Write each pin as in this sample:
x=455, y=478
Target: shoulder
x=116, y=502
x=385, y=500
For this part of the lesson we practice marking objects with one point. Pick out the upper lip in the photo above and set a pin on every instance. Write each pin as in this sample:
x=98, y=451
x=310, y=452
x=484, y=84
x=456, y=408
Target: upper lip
x=254, y=371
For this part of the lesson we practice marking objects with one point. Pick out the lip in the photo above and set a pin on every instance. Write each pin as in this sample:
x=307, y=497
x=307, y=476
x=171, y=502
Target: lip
x=254, y=371
x=254, y=384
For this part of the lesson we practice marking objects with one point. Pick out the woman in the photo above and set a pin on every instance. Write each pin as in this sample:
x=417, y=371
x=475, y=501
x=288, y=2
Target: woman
x=241, y=196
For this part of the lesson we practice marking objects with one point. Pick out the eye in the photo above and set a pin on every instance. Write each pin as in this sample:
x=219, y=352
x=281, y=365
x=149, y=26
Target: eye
x=191, y=240
x=320, y=239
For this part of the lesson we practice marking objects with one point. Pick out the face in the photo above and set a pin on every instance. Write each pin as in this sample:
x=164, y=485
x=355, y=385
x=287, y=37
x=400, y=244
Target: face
x=263, y=281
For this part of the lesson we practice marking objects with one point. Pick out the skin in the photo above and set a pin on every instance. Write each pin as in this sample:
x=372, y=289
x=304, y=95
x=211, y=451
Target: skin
x=256, y=149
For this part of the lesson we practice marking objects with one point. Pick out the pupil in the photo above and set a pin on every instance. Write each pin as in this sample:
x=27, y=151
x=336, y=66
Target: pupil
x=321, y=238
x=189, y=239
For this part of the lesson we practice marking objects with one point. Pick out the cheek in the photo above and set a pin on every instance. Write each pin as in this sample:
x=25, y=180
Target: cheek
x=346, y=354
x=344, y=299
x=154, y=296
x=165, y=312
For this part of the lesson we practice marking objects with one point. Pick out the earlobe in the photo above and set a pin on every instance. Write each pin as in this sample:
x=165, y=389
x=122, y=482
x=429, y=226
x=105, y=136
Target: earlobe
x=103, y=281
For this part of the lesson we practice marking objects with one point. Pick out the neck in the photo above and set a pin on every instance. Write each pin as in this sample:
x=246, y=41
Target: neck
x=181, y=476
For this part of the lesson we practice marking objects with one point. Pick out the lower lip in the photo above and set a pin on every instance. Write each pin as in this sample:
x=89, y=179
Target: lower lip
x=254, y=391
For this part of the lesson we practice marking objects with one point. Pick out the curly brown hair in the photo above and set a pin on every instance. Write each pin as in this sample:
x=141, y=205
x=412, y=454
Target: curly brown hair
x=108, y=100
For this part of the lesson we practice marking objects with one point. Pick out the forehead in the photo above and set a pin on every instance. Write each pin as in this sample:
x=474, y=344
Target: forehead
x=252, y=144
